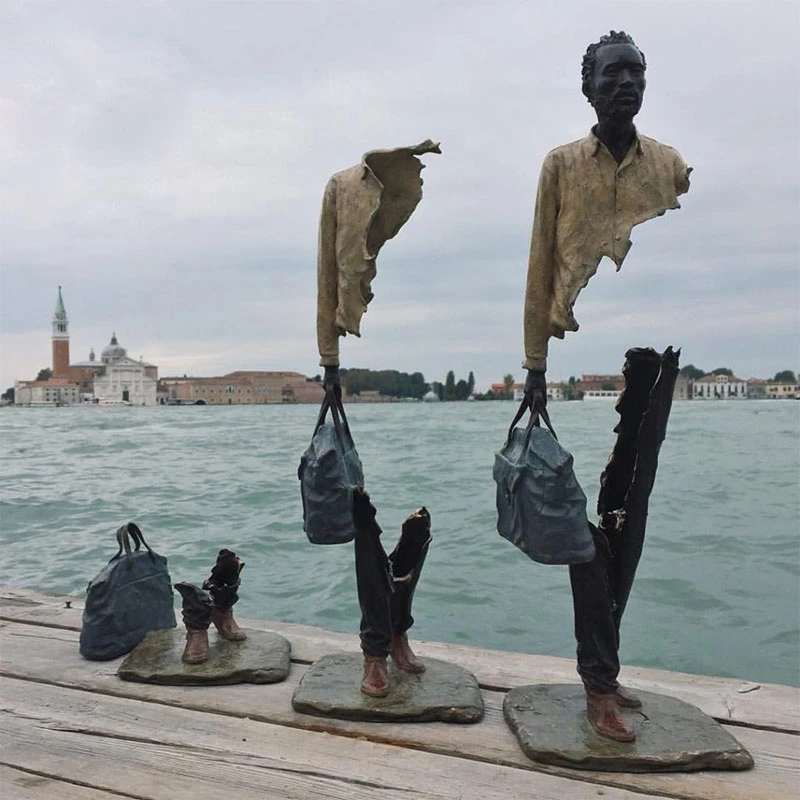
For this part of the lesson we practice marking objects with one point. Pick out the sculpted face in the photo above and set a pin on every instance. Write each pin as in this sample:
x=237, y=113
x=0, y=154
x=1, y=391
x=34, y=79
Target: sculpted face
x=618, y=81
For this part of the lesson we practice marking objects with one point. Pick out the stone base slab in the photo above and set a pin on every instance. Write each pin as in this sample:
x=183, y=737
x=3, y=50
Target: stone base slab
x=443, y=693
x=261, y=658
x=550, y=723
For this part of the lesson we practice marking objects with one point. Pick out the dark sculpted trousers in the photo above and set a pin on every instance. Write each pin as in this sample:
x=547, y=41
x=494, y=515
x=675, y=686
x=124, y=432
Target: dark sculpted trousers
x=600, y=588
x=386, y=584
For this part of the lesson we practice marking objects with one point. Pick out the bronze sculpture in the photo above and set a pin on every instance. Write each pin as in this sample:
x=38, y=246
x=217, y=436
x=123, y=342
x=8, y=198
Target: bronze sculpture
x=386, y=587
x=591, y=193
x=213, y=603
x=363, y=207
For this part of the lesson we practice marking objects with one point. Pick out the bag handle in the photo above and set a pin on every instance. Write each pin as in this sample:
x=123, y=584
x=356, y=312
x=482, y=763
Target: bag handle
x=124, y=534
x=334, y=403
x=537, y=413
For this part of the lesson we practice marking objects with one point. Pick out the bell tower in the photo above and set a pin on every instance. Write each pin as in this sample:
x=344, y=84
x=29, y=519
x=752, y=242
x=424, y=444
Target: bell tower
x=60, y=338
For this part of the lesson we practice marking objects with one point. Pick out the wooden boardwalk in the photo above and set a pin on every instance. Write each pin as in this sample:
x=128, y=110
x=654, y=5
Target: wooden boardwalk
x=71, y=730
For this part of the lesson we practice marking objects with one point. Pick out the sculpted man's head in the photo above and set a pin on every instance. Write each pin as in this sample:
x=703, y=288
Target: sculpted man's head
x=613, y=76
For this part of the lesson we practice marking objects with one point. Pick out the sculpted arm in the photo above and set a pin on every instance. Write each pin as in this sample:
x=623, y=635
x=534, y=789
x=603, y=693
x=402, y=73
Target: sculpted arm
x=539, y=289
x=327, y=281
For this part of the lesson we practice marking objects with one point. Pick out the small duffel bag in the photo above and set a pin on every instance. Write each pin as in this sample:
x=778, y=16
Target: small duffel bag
x=541, y=507
x=330, y=470
x=131, y=596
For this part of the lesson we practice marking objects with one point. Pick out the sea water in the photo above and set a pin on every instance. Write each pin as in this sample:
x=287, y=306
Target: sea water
x=717, y=590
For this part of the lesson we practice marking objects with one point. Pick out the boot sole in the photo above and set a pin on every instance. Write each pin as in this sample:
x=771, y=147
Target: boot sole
x=378, y=694
x=616, y=737
x=628, y=703
x=416, y=670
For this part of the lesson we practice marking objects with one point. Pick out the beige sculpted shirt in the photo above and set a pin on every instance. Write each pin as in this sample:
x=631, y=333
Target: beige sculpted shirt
x=362, y=208
x=586, y=206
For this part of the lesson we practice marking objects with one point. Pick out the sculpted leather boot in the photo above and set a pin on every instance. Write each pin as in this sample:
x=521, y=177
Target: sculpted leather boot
x=627, y=699
x=403, y=656
x=226, y=625
x=376, y=679
x=406, y=563
x=196, y=617
x=196, y=650
x=603, y=714
x=223, y=585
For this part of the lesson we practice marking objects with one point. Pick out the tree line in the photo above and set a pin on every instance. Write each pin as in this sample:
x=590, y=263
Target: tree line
x=452, y=389
x=387, y=382
x=392, y=383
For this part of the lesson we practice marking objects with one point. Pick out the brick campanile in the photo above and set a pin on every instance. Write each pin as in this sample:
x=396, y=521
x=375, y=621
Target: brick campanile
x=60, y=338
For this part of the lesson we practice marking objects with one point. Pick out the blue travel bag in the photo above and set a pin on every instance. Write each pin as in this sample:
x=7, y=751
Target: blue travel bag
x=130, y=596
x=541, y=507
x=329, y=471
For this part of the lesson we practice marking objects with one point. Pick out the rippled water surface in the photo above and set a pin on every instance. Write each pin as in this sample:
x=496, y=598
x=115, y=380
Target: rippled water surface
x=717, y=591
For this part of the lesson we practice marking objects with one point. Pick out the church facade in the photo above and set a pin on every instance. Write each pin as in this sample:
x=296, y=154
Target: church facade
x=113, y=379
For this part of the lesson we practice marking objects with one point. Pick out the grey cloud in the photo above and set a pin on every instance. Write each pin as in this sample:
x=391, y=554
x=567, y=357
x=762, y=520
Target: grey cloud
x=165, y=163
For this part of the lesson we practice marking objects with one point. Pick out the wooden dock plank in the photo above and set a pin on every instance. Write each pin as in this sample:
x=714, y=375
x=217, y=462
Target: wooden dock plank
x=162, y=752
x=768, y=706
x=50, y=655
x=18, y=785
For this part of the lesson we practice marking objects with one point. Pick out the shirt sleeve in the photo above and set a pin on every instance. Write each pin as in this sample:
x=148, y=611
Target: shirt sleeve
x=682, y=173
x=541, y=267
x=327, y=281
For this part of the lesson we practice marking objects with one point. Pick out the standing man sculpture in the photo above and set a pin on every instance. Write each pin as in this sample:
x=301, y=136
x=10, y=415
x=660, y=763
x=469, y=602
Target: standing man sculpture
x=591, y=193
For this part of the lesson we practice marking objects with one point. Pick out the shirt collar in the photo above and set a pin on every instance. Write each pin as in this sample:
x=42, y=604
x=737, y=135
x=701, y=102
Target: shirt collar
x=594, y=144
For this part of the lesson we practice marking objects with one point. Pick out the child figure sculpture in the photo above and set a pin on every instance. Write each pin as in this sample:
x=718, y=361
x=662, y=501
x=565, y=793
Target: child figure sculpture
x=213, y=603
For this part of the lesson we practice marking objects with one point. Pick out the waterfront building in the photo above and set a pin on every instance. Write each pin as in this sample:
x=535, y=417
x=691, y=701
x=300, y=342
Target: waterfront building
x=122, y=379
x=775, y=390
x=368, y=396
x=52, y=392
x=60, y=340
x=601, y=394
x=249, y=387
x=683, y=388
x=556, y=391
x=589, y=383
x=115, y=378
x=719, y=387
x=498, y=389
x=756, y=389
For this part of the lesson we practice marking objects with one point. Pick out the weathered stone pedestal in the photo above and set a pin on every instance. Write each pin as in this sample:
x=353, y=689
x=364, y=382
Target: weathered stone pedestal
x=550, y=723
x=262, y=658
x=443, y=693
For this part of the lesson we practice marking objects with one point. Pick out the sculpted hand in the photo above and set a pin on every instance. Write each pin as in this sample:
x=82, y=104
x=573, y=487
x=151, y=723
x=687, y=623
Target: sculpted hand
x=536, y=389
x=332, y=381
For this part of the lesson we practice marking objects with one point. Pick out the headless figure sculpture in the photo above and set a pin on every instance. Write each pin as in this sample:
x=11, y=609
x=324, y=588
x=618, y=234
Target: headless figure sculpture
x=363, y=207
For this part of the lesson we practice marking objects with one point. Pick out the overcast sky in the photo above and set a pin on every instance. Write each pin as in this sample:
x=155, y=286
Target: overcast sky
x=165, y=162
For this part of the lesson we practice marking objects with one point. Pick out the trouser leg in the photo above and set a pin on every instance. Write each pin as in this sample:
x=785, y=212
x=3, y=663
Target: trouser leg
x=197, y=610
x=196, y=607
x=406, y=562
x=627, y=481
x=372, y=580
x=595, y=627
x=223, y=583
x=601, y=588
x=223, y=586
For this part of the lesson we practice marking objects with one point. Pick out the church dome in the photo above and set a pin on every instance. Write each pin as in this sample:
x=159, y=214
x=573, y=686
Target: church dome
x=113, y=351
